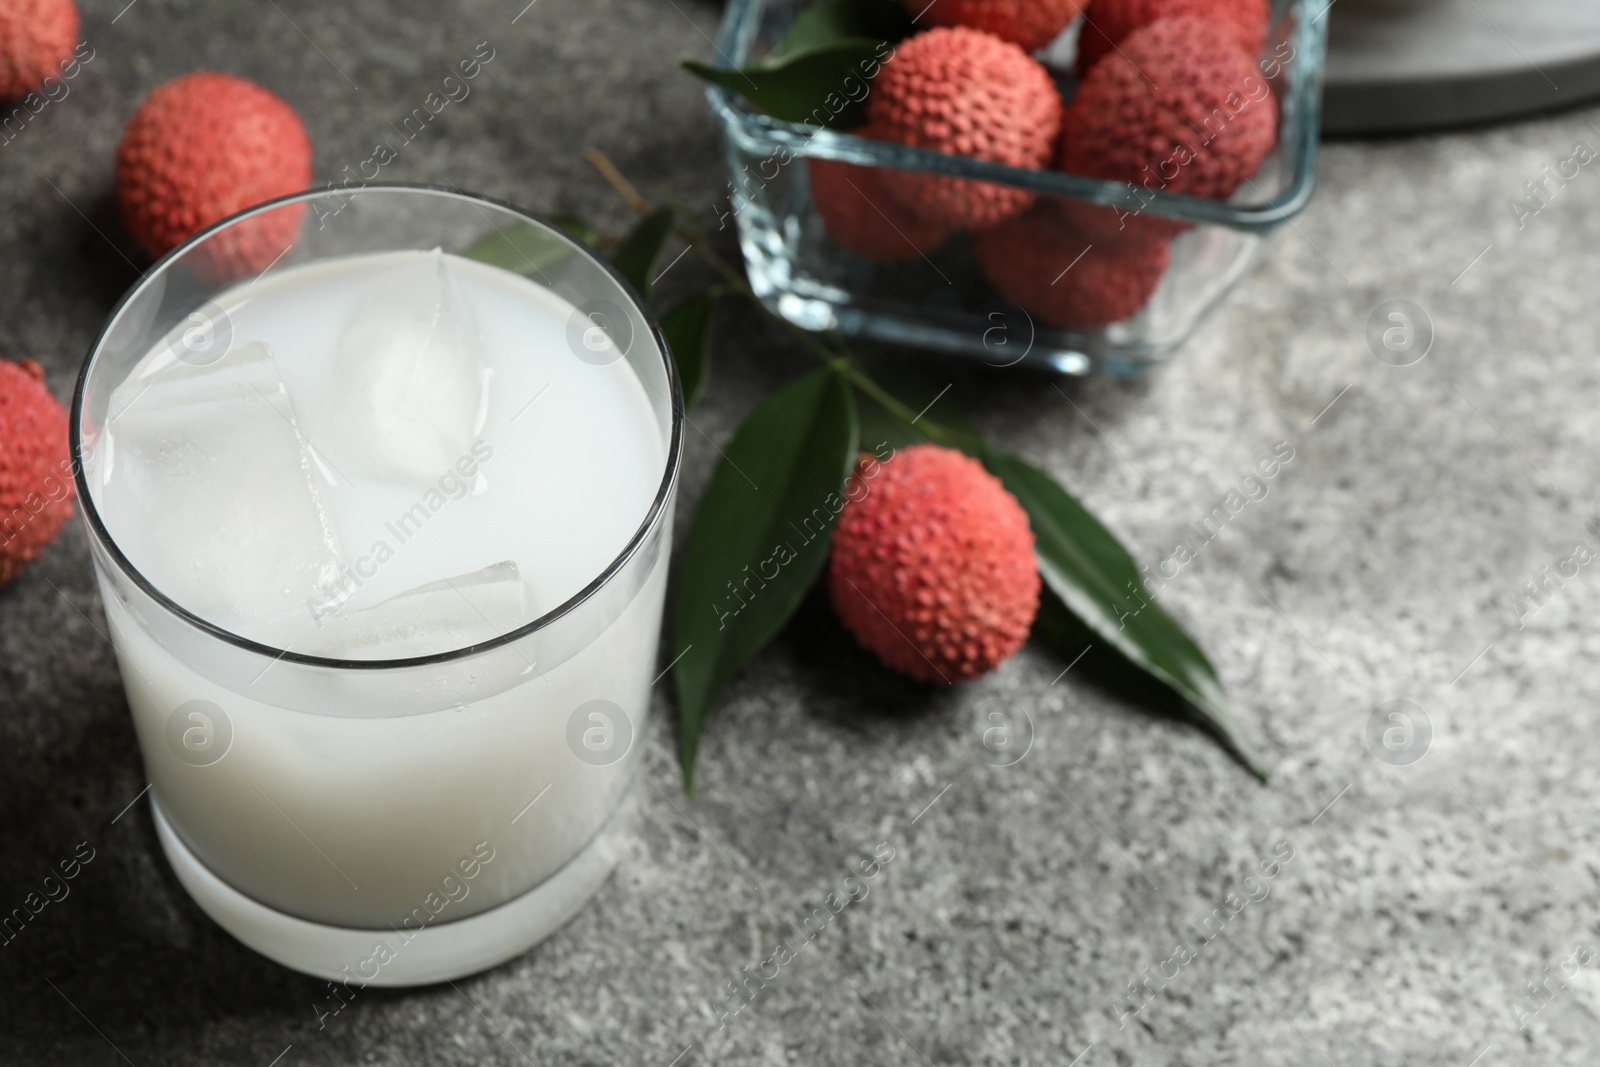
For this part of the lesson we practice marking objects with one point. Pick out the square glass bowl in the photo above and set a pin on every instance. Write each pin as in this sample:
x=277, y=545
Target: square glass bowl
x=943, y=300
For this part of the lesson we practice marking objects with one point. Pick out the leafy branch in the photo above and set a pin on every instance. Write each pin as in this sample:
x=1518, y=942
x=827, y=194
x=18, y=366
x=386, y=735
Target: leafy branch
x=760, y=538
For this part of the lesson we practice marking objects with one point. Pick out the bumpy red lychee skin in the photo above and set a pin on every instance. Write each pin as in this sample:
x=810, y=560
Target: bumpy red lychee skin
x=861, y=217
x=1029, y=24
x=964, y=92
x=201, y=148
x=1105, y=224
x=1045, y=265
x=36, y=38
x=1109, y=22
x=933, y=566
x=1180, y=108
x=36, y=490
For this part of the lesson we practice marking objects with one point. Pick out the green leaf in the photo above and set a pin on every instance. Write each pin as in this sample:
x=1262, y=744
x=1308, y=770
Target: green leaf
x=688, y=331
x=880, y=426
x=799, y=87
x=933, y=407
x=759, y=540
x=1084, y=564
x=523, y=248
x=830, y=49
x=824, y=24
x=576, y=227
x=636, y=254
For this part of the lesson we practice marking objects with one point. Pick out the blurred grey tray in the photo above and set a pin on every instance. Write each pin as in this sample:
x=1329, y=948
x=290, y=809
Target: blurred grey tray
x=1400, y=65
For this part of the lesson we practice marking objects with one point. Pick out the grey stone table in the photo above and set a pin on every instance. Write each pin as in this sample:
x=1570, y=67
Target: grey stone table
x=1411, y=908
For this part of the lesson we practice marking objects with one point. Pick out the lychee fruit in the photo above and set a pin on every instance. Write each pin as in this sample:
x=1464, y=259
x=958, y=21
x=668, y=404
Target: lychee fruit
x=36, y=39
x=1107, y=224
x=36, y=490
x=1179, y=108
x=1029, y=24
x=202, y=147
x=1108, y=22
x=861, y=217
x=933, y=566
x=964, y=92
x=1045, y=265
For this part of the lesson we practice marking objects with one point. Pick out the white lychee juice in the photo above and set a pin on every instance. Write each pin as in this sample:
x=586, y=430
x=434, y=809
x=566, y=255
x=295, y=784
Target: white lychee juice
x=346, y=473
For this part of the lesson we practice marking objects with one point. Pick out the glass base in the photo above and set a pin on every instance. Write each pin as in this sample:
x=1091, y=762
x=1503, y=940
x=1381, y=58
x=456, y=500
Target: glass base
x=943, y=305
x=402, y=957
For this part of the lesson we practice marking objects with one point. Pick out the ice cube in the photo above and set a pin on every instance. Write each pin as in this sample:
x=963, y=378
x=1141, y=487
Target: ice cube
x=437, y=617
x=208, y=489
x=410, y=382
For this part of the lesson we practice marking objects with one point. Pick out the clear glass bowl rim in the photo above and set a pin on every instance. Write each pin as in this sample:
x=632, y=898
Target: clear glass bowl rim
x=1299, y=137
x=653, y=518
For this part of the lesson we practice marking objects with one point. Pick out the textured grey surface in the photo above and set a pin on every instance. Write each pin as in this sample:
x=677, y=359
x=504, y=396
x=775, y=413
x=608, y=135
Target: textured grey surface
x=1419, y=901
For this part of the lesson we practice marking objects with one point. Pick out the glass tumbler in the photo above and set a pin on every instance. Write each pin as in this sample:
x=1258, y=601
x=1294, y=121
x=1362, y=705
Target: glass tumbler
x=387, y=821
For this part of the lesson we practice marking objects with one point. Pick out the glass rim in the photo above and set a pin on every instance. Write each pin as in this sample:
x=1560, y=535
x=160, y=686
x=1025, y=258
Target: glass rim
x=652, y=520
x=1298, y=135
